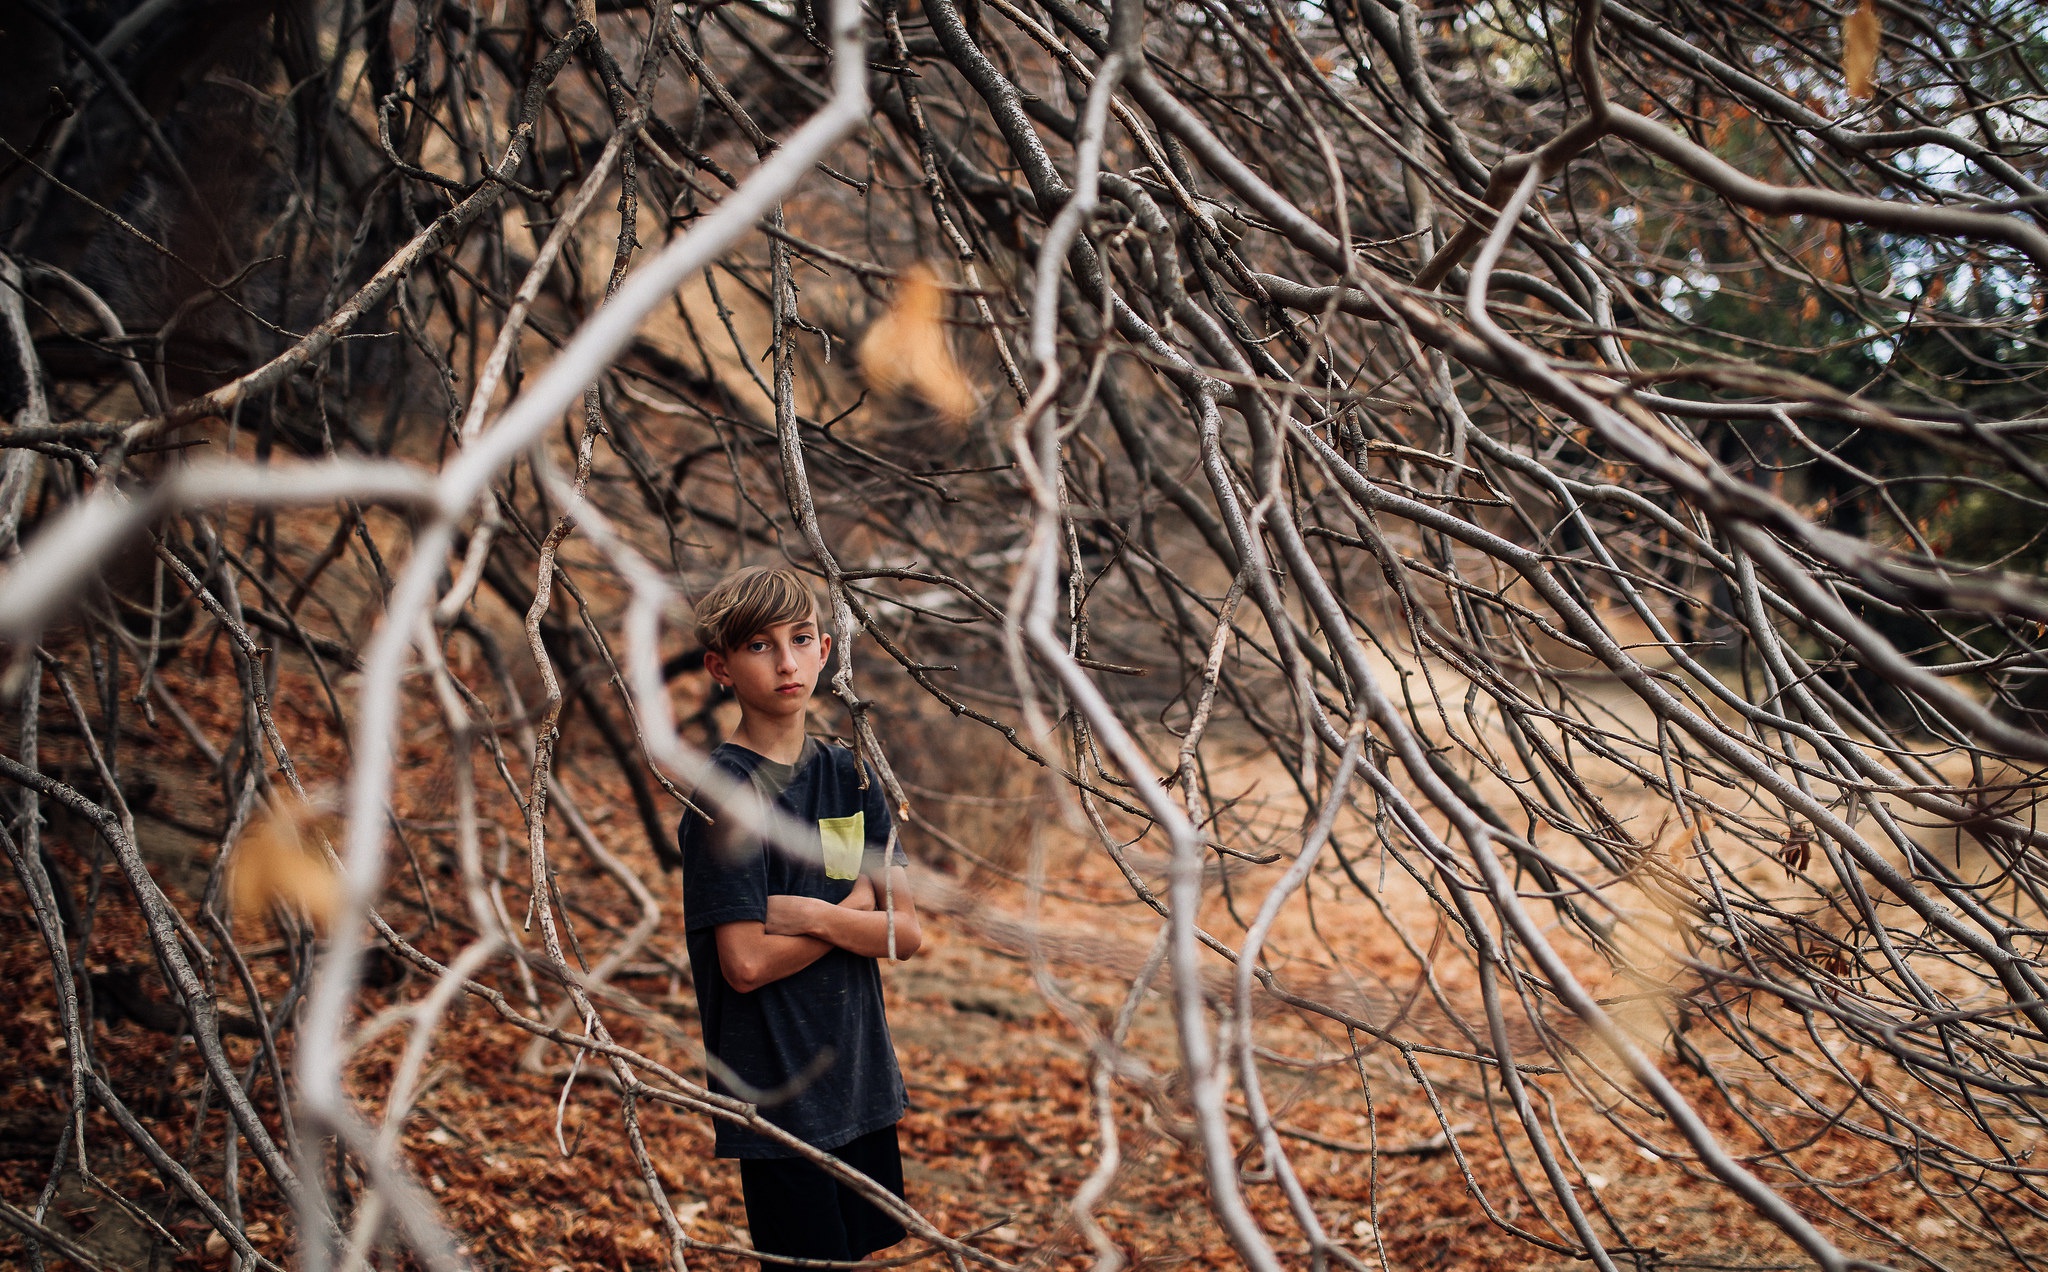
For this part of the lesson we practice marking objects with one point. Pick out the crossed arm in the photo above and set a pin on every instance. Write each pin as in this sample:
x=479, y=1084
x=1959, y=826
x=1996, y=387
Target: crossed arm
x=799, y=930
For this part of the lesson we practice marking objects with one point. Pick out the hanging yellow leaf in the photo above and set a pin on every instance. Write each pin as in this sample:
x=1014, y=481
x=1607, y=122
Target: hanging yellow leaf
x=906, y=351
x=275, y=865
x=1859, y=50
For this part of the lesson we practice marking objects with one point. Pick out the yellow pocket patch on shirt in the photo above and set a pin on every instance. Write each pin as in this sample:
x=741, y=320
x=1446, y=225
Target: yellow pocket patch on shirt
x=845, y=839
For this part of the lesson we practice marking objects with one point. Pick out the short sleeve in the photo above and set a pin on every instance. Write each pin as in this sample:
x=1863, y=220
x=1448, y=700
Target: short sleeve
x=719, y=885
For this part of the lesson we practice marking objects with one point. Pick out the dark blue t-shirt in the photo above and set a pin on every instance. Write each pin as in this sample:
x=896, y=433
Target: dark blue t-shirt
x=773, y=1036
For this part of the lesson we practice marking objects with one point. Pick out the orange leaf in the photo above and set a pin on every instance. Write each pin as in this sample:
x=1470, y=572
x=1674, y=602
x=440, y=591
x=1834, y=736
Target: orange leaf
x=1859, y=50
x=906, y=351
x=274, y=865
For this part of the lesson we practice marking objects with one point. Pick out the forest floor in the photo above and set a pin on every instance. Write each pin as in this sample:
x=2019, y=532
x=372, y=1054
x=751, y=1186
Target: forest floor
x=1000, y=1133
x=1002, y=1127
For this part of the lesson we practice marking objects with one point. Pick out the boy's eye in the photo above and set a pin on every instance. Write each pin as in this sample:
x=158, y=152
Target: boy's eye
x=802, y=638
x=757, y=646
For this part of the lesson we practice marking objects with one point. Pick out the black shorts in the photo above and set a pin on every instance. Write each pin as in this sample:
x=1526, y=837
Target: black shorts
x=794, y=1208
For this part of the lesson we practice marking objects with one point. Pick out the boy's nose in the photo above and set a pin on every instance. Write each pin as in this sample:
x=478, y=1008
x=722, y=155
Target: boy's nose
x=785, y=659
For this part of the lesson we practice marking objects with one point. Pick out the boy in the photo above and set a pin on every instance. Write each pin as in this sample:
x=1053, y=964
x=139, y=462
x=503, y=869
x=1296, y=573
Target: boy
x=784, y=947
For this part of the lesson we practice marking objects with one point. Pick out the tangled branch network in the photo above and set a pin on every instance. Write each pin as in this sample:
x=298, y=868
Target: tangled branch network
x=1590, y=454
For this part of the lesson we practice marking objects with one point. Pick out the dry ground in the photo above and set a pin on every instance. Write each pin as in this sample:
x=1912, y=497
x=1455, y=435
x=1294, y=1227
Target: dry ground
x=1001, y=1129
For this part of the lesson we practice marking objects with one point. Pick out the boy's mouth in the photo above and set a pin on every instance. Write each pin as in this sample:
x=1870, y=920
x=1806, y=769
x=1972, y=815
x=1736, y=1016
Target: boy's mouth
x=796, y=686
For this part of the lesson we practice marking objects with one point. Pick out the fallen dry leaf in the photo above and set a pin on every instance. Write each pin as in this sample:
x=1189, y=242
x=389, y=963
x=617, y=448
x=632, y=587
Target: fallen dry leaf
x=906, y=351
x=1679, y=844
x=274, y=865
x=1859, y=50
x=1796, y=849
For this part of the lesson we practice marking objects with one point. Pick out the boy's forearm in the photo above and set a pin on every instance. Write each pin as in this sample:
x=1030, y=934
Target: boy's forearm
x=749, y=956
x=868, y=932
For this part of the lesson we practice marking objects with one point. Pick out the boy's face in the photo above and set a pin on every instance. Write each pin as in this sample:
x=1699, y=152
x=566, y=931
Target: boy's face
x=773, y=672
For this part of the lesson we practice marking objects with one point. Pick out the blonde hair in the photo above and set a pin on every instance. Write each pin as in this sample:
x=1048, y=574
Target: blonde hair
x=746, y=601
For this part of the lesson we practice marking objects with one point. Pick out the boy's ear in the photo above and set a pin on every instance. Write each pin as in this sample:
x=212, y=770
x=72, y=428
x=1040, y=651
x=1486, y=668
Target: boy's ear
x=714, y=663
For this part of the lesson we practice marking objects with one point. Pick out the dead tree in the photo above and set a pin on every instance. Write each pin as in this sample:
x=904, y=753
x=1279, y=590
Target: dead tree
x=1595, y=450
